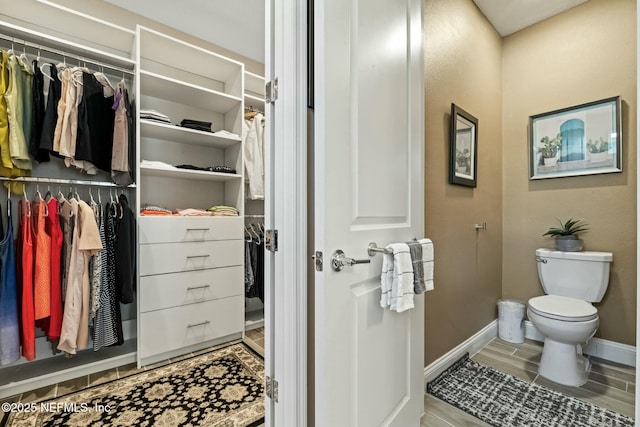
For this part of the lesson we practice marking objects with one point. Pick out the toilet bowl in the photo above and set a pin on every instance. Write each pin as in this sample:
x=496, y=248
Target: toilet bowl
x=565, y=331
x=565, y=316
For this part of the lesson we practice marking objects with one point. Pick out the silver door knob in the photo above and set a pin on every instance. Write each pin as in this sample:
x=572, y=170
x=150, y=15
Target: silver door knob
x=339, y=260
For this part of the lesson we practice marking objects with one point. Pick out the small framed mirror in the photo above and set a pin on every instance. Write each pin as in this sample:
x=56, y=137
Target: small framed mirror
x=463, y=155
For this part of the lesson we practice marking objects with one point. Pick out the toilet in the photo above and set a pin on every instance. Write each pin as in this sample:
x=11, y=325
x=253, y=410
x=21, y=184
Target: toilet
x=565, y=316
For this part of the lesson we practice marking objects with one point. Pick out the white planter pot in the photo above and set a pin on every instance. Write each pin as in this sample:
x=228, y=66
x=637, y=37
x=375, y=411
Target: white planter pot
x=599, y=157
x=550, y=161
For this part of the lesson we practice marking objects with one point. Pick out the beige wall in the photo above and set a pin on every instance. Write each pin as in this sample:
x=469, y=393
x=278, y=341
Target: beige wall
x=463, y=57
x=585, y=54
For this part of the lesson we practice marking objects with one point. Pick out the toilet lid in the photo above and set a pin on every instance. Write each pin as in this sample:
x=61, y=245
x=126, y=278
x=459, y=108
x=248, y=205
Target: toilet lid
x=563, y=308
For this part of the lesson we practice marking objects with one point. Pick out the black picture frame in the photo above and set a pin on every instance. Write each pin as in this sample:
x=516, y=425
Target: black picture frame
x=463, y=151
x=585, y=139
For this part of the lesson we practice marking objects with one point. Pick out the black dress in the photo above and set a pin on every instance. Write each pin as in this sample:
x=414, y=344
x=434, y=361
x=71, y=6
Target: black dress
x=51, y=113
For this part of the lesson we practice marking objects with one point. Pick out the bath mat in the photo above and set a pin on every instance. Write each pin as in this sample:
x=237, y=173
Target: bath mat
x=503, y=400
x=222, y=388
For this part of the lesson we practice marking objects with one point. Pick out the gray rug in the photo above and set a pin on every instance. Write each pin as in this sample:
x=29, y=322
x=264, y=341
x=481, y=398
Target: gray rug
x=503, y=400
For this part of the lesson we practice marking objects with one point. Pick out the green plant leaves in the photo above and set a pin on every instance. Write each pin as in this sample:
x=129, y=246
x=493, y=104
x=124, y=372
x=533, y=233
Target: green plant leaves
x=567, y=228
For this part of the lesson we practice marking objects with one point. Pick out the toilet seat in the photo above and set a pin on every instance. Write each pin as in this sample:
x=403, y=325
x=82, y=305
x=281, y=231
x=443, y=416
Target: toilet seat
x=563, y=308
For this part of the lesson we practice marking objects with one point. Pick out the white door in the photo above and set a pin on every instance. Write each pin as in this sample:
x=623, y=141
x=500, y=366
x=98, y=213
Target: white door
x=368, y=179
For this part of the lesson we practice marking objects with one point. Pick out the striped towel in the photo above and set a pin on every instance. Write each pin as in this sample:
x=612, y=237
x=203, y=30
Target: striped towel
x=397, y=279
x=427, y=262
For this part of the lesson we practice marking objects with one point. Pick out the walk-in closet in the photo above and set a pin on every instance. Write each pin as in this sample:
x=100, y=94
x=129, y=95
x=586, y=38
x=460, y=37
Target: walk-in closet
x=169, y=162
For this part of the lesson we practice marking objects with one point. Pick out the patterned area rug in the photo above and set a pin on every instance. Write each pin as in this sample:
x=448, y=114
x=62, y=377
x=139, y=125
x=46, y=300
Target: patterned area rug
x=503, y=400
x=223, y=388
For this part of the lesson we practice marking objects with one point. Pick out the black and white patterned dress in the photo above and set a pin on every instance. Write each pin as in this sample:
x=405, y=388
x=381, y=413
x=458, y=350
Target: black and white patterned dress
x=107, y=330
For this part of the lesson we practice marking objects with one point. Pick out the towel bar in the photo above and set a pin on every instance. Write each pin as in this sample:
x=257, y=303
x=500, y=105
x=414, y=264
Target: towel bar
x=373, y=249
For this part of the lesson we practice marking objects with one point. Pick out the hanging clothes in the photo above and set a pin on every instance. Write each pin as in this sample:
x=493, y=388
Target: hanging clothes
x=9, y=329
x=125, y=252
x=95, y=265
x=85, y=243
x=38, y=111
x=25, y=249
x=95, y=124
x=253, y=135
x=65, y=79
x=254, y=266
x=50, y=113
x=120, y=166
x=68, y=137
x=15, y=97
x=42, y=257
x=67, y=224
x=108, y=321
x=53, y=229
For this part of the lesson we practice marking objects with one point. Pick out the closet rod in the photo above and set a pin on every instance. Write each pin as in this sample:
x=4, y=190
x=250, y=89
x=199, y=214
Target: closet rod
x=28, y=179
x=254, y=216
x=23, y=42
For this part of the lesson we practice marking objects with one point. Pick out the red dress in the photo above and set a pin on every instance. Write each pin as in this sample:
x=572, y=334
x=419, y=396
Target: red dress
x=53, y=229
x=42, y=266
x=25, y=235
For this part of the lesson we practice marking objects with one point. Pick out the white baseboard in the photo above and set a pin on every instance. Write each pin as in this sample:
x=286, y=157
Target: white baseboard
x=597, y=347
x=472, y=345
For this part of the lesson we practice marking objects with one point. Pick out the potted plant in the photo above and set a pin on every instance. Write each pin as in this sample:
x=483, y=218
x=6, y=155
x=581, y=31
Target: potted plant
x=598, y=150
x=463, y=160
x=548, y=149
x=566, y=235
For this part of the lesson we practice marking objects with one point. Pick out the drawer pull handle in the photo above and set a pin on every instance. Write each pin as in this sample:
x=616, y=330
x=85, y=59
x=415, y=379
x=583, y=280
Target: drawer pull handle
x=206, y=322
x=198, y=256
x=192, y=288
x=198, y=229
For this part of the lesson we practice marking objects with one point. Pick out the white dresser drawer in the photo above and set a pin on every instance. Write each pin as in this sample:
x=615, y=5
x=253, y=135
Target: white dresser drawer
x=189, y=229
x=177, y=257
x=165, y=330
x=176, y=289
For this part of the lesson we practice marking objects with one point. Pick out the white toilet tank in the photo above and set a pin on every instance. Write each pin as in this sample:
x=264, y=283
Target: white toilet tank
x=582, y=275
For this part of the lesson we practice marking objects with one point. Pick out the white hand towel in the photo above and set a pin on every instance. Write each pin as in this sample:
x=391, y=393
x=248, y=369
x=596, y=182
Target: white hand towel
x=402, y=287
x=428, y=260
x=386, y=280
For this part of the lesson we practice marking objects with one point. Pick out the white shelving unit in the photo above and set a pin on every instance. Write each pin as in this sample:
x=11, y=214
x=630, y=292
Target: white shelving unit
x=198, y=260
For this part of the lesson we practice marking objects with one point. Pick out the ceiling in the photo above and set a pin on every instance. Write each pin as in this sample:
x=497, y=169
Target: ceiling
x=236, y=25
x=510, y=16
x=239, y=25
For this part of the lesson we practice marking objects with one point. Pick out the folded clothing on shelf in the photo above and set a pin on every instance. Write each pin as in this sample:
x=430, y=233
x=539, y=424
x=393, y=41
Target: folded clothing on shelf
x=196, y=124
x=156, y=164
x=224, y=211
x=192, y=212
x=154, y=115
x=148, y=209
x=227, y=134
x=222, y=169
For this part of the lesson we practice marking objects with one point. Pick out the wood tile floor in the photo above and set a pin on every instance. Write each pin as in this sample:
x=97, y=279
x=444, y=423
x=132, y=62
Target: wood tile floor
x=610, y=385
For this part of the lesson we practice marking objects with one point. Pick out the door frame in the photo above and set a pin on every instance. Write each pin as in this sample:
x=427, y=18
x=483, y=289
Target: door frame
x=286, y=211
x=637, y=417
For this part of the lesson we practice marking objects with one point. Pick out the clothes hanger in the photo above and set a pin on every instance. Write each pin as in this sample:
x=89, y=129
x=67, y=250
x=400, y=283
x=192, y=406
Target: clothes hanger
x=27, y=203
x=24, y=59
x=258, y=241
x=247, y=234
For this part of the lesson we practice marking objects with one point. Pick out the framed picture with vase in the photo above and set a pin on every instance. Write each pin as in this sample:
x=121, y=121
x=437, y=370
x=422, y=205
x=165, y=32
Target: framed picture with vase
x=585, y=139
